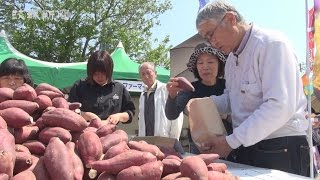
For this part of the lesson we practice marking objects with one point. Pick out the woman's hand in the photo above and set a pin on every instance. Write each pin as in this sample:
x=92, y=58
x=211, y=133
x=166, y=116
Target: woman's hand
x=172, y=87
x=114, y=118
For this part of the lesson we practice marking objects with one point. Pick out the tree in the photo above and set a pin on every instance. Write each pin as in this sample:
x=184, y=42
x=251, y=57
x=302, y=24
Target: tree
x=69, y=30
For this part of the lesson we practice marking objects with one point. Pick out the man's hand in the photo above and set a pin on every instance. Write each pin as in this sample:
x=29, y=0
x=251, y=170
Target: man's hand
x=217, y=145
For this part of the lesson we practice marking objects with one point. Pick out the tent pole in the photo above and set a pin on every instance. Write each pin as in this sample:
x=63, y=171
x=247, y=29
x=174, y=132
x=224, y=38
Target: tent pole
x=310, y=89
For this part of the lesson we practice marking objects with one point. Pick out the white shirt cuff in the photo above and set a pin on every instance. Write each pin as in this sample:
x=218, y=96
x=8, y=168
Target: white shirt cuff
x=233, y=141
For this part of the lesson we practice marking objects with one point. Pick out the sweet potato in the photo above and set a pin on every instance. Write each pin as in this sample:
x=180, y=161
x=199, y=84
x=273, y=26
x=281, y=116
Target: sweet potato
x=174, y=157
x=25, y=92
x=116, y=149
x=21, y=148
x=215, y=175
x=60, y=102
x=106, y=176
x=7, y=152
x=209, y=158
x=40, y=170
x=35, y=147
x=57, y=160
x=106, y=129
x=47, y=133
x=91, y=129
x=50, y=94
x=25, y=133
x=220, y=167
x=23, y=162
x=4, y=176
x=151, y=170
x=112, y=139
x=184, y=84
x=39, y=123
x=25, y=175
x=78, y=169
x=172, y=176
x=194, y=167
x=16, y=117
x=147, y=148
x=6, y=94
x=122, y=161
x=89, y=147
x=27, y=106
x=167, y=151
x=47, y=87
x=170, y=166
x=3, y=123
x=35, y=160
x=43, y=101
x=96, y=123
x=64, y=118
x=74, y=105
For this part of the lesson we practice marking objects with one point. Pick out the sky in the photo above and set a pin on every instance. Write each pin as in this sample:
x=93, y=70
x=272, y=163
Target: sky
x=287, y=16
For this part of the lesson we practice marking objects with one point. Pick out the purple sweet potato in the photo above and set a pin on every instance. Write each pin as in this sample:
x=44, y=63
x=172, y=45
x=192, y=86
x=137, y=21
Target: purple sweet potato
x=50, y=94
x=116, y=150
x=194, y=167
x=58, y=161
x=7, y=152
x=78, y=169
x=35, y=147
x=89, y=147
x=6, y=94
x=106, y=129
x=64, y=118
x=74, y=105
x=112, y=139
x=43, y=101
x=170, y=166
x=25, y=175
x=151, y=170
x=25, y=133
x=16, y=117
x=122, y=161
x=3, y=123
x=40, y=170
x=47, y=87
x=184, y=84
x=25, y=92
x=23, y=162
x=60, y=102
x=147, y=148
x=47, y=133
x=27, y=106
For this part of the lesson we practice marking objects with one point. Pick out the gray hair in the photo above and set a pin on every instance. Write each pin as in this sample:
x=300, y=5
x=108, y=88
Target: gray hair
x=152, y=64
x=215, y=10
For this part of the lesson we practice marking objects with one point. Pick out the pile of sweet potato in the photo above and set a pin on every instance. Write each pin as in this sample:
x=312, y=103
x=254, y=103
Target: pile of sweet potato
x=44, y=137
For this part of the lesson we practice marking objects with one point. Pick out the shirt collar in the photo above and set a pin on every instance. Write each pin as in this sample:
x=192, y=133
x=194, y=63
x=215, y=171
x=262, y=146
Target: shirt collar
x=152, y=88
x=243, y=41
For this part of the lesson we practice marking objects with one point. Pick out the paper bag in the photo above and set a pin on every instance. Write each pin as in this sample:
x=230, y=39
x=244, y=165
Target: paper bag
x=204, y=121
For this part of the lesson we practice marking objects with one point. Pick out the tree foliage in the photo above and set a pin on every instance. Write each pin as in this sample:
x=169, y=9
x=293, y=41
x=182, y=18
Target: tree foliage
x=85, y=26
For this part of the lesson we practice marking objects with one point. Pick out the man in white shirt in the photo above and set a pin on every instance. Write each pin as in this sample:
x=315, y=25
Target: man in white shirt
x=152, y=118
x=264, y=92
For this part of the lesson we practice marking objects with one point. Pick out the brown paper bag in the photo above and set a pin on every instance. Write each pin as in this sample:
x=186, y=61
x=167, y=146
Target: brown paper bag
x=204, y=121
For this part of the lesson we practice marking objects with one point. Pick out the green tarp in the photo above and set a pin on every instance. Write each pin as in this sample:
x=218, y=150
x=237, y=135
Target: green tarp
x=62, y=75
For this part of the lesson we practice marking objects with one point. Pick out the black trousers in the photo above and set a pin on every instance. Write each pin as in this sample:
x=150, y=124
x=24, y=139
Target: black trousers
x=289, y=154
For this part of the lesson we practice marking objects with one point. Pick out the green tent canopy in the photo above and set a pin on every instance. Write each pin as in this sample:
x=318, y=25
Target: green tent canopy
x=62, y=75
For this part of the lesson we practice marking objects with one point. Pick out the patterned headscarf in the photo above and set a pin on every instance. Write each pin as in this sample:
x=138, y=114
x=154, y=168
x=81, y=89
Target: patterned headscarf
x=200, y=49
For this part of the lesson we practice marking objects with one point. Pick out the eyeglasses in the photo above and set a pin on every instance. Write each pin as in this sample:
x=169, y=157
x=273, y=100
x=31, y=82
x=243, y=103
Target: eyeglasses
x=211, y=33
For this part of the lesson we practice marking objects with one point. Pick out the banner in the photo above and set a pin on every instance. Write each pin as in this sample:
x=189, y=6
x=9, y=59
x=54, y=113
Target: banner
x=132, y=86
x=315, y=47
x=202, y=3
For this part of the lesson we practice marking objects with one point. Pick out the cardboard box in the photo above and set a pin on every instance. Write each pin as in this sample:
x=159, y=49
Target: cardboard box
x=161, y=141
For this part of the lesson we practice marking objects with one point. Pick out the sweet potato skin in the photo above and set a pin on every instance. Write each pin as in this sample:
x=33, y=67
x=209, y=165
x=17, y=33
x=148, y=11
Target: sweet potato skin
x=106, y=129
x=113, y=139
x=151, y=170
x=116, y=150
x=7, y=152
x=40, y=170
x=146, y=148
x=16, y=117
x=170, y=166
x=25, y=133
x=43, y=101
x=4, y=176
x=60, y=102
x=89, y=147
x=27, y=106
x=25, y=175
x=78, y=169
x=6, y=94
x=25, y=92
x=35, y=147
x=57, y=156
x=23, y=162
x=124, y=160
x=47, y=133
x=220, y=167
x=194, y=167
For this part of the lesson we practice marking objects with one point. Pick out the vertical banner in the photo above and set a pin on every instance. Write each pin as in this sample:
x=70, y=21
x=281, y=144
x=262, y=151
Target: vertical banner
x=315, y=48
x=202, y=3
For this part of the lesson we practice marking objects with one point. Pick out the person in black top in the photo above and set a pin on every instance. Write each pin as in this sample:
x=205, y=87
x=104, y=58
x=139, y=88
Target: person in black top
x=99, y=94
x=207, y=65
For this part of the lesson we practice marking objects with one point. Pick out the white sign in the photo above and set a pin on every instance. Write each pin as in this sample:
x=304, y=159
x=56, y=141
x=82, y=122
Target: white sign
x=132, y=86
